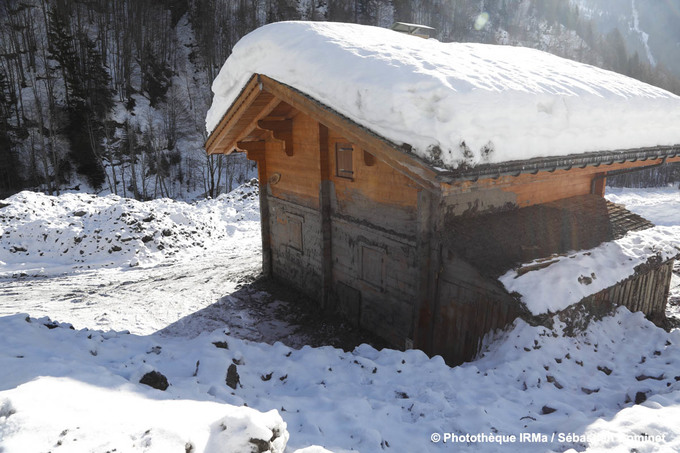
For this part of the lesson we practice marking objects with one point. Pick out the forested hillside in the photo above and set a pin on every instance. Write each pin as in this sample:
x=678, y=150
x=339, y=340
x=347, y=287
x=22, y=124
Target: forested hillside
x=111, y=95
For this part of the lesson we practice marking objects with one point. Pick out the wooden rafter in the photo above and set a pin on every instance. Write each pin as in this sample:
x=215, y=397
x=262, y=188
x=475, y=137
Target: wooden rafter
x=254, y=150
x=281, y=129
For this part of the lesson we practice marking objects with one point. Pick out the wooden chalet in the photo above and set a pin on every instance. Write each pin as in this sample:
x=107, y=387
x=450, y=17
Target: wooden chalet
x=409, y=251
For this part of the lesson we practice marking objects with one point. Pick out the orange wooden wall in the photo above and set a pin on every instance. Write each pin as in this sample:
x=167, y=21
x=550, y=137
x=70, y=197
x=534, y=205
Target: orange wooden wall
x=544, y=187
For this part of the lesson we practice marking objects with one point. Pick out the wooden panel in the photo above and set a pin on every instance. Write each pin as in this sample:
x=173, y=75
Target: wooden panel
x=301, y=172
x=382, y=268
x=468, y=307
x=376, y=193
x=296, y=241
x=372, y=260
x=560, y=187
x=465, y=316
x=343, y=160
x=646, y=292
x=378, y=181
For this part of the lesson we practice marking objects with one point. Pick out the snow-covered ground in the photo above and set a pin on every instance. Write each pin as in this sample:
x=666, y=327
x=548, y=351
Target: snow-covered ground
x=662, y=207
x=614, y=387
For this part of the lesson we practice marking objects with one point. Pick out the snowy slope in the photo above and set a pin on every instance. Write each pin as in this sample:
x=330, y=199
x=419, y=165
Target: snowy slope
x=475, y=103
x=46, y=235
x=78, y=388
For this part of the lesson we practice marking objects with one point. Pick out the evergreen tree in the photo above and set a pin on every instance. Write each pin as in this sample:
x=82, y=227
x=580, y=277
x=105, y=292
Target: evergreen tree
x=10, y=165
x=88, y=96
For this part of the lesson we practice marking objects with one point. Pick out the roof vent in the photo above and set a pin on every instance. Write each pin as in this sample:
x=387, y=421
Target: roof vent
x=422, y=31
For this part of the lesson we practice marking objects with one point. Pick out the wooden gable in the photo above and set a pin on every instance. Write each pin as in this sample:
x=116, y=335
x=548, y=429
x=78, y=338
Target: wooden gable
x=264, y=102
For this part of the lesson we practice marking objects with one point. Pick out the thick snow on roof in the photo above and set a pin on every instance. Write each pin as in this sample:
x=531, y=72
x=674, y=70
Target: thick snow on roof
x=476, y=103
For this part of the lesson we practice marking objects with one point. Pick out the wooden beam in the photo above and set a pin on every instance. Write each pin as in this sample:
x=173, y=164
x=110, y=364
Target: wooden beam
x=326, y=229
x=266, y=110
x=281, y=130
x=254, y=150
x=236, y=123
x=407, y=164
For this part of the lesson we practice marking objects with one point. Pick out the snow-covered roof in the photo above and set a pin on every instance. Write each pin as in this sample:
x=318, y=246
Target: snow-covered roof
x=469, y=103
x=569, y=278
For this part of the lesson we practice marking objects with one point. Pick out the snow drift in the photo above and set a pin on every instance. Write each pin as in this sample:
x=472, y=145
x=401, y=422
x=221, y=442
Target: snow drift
x=547, y=290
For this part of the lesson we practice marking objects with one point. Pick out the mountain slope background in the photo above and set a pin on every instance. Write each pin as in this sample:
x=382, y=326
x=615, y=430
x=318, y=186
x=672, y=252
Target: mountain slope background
x=111, y=95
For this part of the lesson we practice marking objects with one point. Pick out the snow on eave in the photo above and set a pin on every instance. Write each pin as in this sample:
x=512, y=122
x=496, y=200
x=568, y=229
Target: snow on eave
x=458, y=104
x=513, y=168
x=550, y=164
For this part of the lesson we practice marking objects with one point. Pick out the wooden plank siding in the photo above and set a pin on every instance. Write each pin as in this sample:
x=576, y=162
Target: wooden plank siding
x=300, y=173
x=468, y=306
x=646, y=292
x=347, y=228
x=373, y=224
x=543, y=187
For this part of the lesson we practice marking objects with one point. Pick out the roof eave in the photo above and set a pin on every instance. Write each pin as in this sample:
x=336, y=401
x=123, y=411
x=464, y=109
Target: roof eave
x=551, y=164
x=217, y=142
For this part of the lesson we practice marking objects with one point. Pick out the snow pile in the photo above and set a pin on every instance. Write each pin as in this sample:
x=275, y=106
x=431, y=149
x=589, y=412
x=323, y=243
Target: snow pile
x=453, y=103
x=60, y=386
x=564, y=280
x=43, y=235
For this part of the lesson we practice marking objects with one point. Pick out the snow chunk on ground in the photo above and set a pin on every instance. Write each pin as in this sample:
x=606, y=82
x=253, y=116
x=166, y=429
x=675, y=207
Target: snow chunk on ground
x=81, y=416
x=237, y=433
x=47, y=235
x=460, y=102
x=565, y=280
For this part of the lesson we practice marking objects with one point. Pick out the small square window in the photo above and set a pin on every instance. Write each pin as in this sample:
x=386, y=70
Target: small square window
x=343, y=160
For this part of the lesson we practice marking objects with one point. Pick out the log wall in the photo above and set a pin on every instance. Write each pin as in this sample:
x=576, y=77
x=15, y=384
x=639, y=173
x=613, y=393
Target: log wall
x=373, y=244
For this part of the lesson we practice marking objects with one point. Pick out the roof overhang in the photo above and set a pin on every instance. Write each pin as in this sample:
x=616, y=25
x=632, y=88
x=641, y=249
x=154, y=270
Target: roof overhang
x=262, y=96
